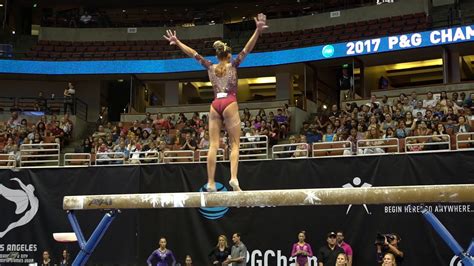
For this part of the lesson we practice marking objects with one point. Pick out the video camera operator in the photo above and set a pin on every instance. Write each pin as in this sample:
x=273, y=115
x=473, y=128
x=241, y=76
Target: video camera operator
x=388, y=243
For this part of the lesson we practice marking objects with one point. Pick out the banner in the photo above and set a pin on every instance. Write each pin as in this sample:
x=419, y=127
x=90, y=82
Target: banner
x=31, y=210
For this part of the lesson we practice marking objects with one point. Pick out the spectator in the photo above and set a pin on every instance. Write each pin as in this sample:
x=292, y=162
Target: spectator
x=346, y=247
x=100, y=133
x=440, y=135
x=390, y=246
x=262, y=114
x=147, y=118
x=181, y=119
x=402, y=131
x=64, y=259
x=282, y=122
x=57, y=133
x=389, y=133
x=389, y=260
x=189, y=143
x=419, y=108
x=414, y=99
x=329, y=136
x=353, y=138
x=221, y=252
x=373, y=134
x=429, y=101
x=204, y=143
x=41, y=129
x=327, y=254
x=101, y=155
x=46, y=260
x=11, y=148
x=37, y=139
x=40, y=103
x=188, y=261
x=238, y=254
x=14, y=120
x=69, y=94
x=66, y=125
x=342, y=260
x=462, y=126
x=86, y=146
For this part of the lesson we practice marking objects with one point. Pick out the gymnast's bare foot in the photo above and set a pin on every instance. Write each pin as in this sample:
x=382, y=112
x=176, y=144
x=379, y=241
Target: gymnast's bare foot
x=234, y=183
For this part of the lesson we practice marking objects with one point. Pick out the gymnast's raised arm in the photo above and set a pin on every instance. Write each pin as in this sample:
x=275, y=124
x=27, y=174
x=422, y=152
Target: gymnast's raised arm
x=261, y=25
x=173, y=39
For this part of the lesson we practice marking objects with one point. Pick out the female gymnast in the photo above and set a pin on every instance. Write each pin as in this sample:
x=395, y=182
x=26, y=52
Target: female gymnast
x=224, y=108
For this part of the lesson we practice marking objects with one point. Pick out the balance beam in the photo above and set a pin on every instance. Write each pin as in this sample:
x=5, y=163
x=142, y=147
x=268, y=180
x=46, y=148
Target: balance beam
x=288, y=197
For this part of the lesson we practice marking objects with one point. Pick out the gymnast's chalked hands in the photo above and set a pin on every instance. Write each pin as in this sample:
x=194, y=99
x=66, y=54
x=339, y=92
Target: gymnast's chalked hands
x=171, y=37
x=261, y=22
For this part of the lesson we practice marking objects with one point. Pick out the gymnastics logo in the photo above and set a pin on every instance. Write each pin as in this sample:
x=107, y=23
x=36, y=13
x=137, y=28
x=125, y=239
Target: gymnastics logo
x=23, y=198
x=328, y=51
x=214, y=213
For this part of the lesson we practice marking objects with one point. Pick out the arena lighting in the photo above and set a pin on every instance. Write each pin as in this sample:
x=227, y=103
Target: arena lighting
x=298, y=55
x=423, y=63
x=1, y=5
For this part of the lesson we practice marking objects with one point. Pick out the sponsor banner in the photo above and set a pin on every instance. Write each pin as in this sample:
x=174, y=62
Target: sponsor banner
x=31, y=210
x=381, y=44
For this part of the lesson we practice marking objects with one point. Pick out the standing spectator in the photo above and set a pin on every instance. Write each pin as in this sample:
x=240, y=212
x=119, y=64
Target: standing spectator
x=390, y=245
x=327, y=254
x=282, y=122
x=204, y=143
x=346, y=247
x=301, y=250
x=238, y=254
x=162, y=255
x=66, y=125
x=86, y=146
x=46, y=260
x=40, y=102
x=85, y=18
x=69, y=94
x=221, y=252
x=64, y=259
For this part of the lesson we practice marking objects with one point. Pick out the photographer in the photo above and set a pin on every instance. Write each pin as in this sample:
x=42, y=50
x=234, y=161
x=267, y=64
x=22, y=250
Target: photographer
x=388, y=243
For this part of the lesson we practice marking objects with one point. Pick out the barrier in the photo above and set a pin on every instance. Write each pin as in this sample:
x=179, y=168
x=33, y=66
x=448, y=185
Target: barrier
x=422, y=144
x=253, y=147
x=77, y=159
x=178, y=156
x=290, y=151
x=202, y=155
x=39, y=155
x=335, y=148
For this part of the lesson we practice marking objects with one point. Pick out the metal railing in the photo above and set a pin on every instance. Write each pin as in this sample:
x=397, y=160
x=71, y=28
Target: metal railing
x=290, y=151
x=202, y=155
x=77, y=159
x=253, y=147
x=144, y=157
x=335, y=148
x=178, y=156
x=426, y=143
x=39, y=155
x=110, y=158
x=7, y=161
x=377, y=146
x=465, y=141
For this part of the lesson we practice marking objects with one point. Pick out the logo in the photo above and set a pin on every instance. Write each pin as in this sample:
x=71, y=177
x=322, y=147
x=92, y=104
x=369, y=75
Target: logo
x=356, y=183
x=23, y=198
x=328, y=51
x=214, y=213
x=455, y=261
x=379, y=2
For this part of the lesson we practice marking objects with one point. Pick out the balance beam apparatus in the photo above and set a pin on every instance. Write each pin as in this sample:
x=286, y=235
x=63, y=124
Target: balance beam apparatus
x=262, y=198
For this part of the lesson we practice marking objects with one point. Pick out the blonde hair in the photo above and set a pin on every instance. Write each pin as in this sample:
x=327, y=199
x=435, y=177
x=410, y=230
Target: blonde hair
x=225, y=241
x=222, y=49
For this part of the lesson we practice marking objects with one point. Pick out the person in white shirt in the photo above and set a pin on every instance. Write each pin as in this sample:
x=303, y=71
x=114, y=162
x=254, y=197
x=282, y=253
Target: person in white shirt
x=429, y=101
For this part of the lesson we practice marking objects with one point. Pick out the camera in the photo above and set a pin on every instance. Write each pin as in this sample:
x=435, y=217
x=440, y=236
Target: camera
x=380, y=238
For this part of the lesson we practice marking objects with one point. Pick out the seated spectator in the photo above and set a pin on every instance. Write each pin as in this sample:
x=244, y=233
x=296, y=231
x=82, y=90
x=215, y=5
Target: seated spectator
x=204, y=143
x=389, y=133
x=188, y=128
x=257, y=122
x=271, y=116
x=11, y=148
x=301, y=149
x=329, y=136
x=440, y=135
x=419, y=109
x=136, y=127
x=313, y=135
x=353, y=138
x=421, y=129
x=101, y=154
x=66, y=125
x=292, y=140
x=57, y=133
x=151, y=151
x=262, y=114
x=122, y=147
x=402, y=131
x=14, y=120
x=429, y=101
x=147, y=118
x=388, y=123
x=37, y=139
x=86, y=146
x=181, y=119
x=145, y=136
x=189, y=143
x=373, y=122
x=462, y=126
x=373, y=134
x=100, y=133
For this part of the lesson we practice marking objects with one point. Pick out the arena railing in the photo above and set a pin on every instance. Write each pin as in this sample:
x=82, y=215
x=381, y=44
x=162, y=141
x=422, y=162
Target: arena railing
x=465, y=141
x=52, y=105
x=335, y=148
x=202, y=155
x=110, y=158
x=182, y=156
x=370, y=146
x=77, y=159
x=39, y=155
x=290, y=151
x=422, y=144
x=144, y=157
x=253, y=147
x=7, y=161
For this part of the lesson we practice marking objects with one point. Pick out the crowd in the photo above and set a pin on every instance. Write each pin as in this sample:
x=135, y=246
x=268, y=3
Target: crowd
x=17, y=131
x=157, y=134
x=335, y=252
x=405, y=116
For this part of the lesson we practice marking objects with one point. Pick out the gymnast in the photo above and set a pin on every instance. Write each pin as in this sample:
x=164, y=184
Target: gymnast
x=224, y=108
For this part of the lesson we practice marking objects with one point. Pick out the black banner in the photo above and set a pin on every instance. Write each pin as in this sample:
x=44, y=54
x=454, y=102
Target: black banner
x=268, y=232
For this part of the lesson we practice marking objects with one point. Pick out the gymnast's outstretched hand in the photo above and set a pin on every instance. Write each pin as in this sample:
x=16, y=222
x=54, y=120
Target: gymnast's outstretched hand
x=171, y=37
x=261, y=22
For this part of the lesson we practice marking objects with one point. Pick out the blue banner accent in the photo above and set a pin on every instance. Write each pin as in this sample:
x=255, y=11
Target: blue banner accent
x=314, y=53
